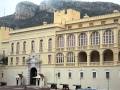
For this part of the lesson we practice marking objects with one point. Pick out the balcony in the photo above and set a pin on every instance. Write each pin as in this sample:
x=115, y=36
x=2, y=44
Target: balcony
x=109, y=63
x=17, y=52
x=11, y=53
x=23, y=52
x=60, y=64
x=70, y=63
x=70, y=48
x=108, y=45
x=82, y=64
x=94, y=63
x=82, y=47
x=60, y=49
x=41, y=50
x=118, y=62
x=50, y=50
x=94, y=46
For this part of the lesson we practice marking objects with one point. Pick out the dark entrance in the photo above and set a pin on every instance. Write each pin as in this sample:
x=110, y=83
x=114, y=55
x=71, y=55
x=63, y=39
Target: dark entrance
x=33, y=73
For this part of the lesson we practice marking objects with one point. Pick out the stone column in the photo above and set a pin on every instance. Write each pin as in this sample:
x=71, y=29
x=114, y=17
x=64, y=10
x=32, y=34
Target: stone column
x=65, y=59
x=65, y=42
x=101, y=38
x=101, y=58
x=115, y=37
x=88, y=40
x=76, y=41
x=76, y=58
x=115, y=57
x=88, y=59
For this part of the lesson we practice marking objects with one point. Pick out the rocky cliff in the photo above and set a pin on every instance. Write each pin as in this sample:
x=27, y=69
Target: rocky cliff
x=28, y=14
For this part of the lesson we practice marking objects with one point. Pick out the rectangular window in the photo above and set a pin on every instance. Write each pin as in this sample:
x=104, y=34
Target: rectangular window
x=69, y=27
x=49, y=59
x=107, y=75
x=3, y=52
x=50, y=44
x=58, y=74
x=115, y=20
x=81, y=75
x=80, y=25
x=70, y=75
x=23, y=60
x=17, y=60
x=94, y=74
x=2, y=75
x=11, y=61
x=41, y=45
x=91, y=24
x=103, y=22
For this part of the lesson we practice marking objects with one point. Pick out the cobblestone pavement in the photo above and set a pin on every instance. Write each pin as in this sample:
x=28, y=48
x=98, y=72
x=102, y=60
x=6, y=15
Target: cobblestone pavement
x=21, y=88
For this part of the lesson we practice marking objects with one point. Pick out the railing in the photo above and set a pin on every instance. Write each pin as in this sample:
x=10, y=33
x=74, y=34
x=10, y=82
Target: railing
x=11, y=53
x=41, y=50
x=108, y=63
x=94, y=46
x=70, y=48
x=60, y=49
x=108, y=45
x=82, y=64
x=60, y=64
x=118, y=62
x=17, y=52
x=82, y=47
x=24, y=52
x=70, y=63
x=94, y=63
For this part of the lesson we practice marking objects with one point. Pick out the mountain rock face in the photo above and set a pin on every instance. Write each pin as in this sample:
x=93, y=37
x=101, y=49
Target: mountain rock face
x=25, y=10
x=28, y=14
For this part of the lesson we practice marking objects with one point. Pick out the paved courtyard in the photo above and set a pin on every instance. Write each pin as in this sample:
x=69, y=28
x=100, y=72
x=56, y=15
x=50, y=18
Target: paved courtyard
x=21, y=88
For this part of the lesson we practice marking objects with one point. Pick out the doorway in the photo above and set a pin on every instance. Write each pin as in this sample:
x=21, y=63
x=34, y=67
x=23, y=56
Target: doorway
x=33, y=74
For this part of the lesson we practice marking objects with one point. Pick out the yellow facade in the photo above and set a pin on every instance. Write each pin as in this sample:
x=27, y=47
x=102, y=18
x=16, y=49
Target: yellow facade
x=70, y=45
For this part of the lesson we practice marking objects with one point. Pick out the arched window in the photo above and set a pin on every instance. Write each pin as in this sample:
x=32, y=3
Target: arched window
x=24, y=46
x=108, y=55
x=82, y=39
x=33, y=46
x=50, y=44
x=59, y=58
x=94, y=56
x=82, y=57
x=108, y=37
x=95, y=38
x=41, y=45
x=71, y=40
x=23, y=61
x=17, y=60
x=60, y=42
x=12, y=48
x=70, y=57
x=17, y=48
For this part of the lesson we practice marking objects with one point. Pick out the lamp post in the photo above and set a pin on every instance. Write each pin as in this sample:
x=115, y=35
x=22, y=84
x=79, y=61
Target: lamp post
x=108, y=83
x=17, y=80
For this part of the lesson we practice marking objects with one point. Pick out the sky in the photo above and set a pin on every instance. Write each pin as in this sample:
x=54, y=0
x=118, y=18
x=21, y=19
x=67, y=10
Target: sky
x=7, y=7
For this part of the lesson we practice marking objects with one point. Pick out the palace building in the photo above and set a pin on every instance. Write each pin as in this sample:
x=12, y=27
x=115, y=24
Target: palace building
x=73, y=50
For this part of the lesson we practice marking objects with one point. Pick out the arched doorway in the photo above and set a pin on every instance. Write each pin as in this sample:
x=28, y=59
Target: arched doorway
x=33, y=73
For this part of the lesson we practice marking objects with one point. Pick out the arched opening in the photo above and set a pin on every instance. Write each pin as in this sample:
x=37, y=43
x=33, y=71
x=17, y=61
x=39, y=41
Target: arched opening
x=33, y=74
x=82, y=57
x=94, y=57
x=108, y=55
